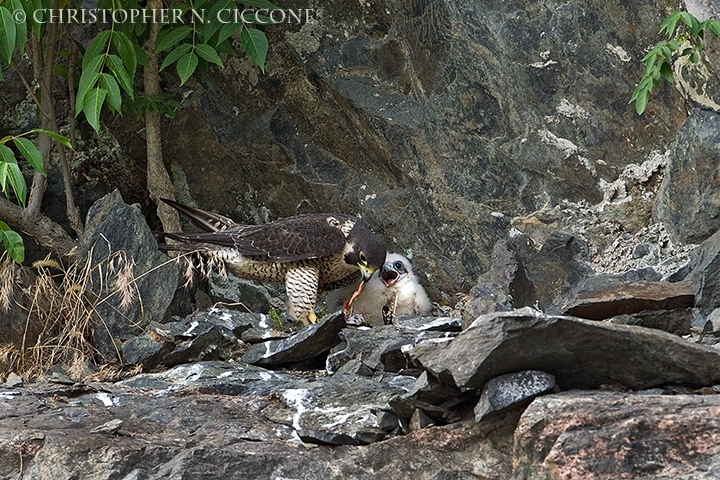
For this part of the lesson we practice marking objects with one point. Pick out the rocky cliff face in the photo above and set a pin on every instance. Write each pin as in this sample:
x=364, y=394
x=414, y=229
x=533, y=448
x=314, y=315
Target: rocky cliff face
x=437, y=121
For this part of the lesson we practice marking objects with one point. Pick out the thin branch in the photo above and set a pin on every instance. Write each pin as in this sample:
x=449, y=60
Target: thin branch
x=28, y=88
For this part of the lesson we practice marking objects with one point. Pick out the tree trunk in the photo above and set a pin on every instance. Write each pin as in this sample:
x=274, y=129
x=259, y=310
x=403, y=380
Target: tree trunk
x=158, y=180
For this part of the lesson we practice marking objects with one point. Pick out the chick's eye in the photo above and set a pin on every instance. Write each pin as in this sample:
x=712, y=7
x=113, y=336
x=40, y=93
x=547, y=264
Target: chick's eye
x=398, y=265
x=362, y=258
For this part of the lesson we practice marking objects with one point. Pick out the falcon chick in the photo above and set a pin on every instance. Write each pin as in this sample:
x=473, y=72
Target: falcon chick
x=311, y=253
x=394, y=286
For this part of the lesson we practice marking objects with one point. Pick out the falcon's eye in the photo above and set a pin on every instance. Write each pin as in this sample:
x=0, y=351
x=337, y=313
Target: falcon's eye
x=362, y=258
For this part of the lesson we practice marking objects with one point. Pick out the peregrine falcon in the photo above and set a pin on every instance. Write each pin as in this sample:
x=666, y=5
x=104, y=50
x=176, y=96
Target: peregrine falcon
x=393, y=288
x=311, y=253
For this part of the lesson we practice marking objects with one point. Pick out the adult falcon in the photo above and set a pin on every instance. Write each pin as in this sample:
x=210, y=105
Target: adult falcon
x=311, y=253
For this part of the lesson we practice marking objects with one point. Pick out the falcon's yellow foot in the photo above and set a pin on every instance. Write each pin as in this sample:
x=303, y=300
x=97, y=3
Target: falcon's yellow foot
x=312, y=318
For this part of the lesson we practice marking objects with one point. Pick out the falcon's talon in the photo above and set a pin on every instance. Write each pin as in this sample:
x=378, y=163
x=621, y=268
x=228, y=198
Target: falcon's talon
x=310, y=253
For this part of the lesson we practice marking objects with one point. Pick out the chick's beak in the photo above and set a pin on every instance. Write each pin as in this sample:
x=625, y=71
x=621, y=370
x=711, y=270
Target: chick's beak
x=367, y=272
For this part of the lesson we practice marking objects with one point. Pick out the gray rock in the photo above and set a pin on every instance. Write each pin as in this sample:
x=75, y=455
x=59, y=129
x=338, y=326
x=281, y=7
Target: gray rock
x=381, y=348
x=251, y=296
x=513, y=390
x=180, y=427
x=628, y=298
x=429, y=324
x=149, y=347
x=117, y=236
x=703, y=271
x=503, y=287
x=558, y=270
x=13, y=380
x=539, y=115
x=307, y=344
x=688, y=203
x=677, y=321
x=619, y=435
x=579, y=353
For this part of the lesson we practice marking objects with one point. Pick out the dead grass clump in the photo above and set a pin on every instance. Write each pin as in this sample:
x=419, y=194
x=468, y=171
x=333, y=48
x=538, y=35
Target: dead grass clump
x=60, y=308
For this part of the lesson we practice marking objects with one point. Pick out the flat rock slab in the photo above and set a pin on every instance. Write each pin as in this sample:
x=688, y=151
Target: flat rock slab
x=579, y=353
x=172, y=433
x=341, y=409
x=610, y=436
x=307, y=344
x=628, y=298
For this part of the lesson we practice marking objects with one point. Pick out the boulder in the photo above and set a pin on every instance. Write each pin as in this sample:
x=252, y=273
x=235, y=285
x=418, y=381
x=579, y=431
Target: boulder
x=606, y=436
x=703, y=271
x=121, y=249
x=579, y=353
x=688, y=202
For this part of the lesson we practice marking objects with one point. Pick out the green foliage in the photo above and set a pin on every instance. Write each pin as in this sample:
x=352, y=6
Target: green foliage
x=110, y=61
x=12, y=180
x=109, y=68
x=685, y=35
x=13, y=243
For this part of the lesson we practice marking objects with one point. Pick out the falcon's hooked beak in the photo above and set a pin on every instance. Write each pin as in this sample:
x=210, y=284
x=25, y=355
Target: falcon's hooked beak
x=367, y=272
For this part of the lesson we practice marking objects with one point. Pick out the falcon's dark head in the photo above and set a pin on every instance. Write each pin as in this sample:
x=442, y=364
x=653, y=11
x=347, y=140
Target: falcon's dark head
x=367, y=250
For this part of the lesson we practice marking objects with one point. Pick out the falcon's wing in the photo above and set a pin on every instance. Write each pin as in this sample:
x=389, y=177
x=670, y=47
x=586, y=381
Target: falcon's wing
x=295, y=238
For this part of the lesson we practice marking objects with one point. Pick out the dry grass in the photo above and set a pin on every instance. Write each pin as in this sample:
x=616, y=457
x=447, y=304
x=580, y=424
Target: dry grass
x=60, y=305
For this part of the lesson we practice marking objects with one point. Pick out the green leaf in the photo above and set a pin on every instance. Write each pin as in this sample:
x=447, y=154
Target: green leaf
x=88, y=80
x=668, y=25
x=126, y=51
x=17, y=182
x=213, y=22
x=666, y=72
x=95, y=48
x=228, y=30
x=34, y=8
x=118, y=69
x=186, y=66
x=13, y=243
x=7, y=155
x=93, y=105
x=713, y=25
x=21, y=28
x=7, y=35
x=255, y=44
x=175, y=55
x=208, y=53
x=55, y=136
x=113, y=96
x=28, y=150
x=141, y=56
x=173, y=37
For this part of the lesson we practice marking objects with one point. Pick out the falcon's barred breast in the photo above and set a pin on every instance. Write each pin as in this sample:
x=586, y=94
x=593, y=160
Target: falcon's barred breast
x=311, y=253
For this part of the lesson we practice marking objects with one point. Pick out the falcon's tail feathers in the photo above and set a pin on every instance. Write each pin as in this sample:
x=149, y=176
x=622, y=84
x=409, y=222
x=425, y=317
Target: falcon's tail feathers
x=196, y=241
x=210, y=222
